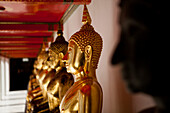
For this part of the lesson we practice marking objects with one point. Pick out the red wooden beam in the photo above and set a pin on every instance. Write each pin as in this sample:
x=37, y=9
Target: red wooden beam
x=4, y=55
x=23, y=55
x=20, y=47
x=25, y=33
x=32, y=11
x=24, y=40
x=20, y=51
x=56, y=1
x=81, y=2
x=24, y=37
x=35, y=26
x=15, y=54
x=39, y=27
x=19, y=55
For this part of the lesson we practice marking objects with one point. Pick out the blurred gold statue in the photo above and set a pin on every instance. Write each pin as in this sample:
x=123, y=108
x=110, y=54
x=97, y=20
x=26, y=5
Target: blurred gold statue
x=32, y=87
x=59, y=81
x=42, y=64
x=53, y=63
x=41, y=67
x=84, y=50
x=35, y=101
x=42, y=57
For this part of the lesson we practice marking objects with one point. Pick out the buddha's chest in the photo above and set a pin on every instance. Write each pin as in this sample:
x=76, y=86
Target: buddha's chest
x=75, y=99
x=59, y=85
x=71, y=104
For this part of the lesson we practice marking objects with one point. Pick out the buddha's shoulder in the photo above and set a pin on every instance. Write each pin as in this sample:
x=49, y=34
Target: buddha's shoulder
x=83, y=86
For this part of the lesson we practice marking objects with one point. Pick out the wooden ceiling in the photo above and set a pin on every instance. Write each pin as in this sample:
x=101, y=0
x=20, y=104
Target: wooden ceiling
x=26, y=24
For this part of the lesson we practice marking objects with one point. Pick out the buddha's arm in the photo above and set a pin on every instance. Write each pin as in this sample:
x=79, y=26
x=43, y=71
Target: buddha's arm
x=90, y=99
x=84, y=99
x=87, y=99
x=34, y=93
x=29, y=86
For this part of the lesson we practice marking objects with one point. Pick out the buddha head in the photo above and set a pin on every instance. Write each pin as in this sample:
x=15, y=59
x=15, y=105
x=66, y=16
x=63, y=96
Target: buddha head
x=57, y=50
x=58, y=84
x=84, y=49
x=43, y=55
x=142, y=48
x=35, y=64
x=35, y=67
x=46, y=65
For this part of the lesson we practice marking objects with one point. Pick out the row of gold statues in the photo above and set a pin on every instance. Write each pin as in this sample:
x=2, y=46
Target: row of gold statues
x=64, y=77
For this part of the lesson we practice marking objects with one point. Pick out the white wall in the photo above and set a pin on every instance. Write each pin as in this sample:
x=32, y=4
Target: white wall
x=4, y=72
x=10, y=101
x=5, y=93
x=104, y=15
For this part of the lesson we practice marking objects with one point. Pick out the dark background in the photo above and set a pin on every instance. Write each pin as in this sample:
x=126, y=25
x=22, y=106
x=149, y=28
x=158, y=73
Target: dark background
x=19, y=73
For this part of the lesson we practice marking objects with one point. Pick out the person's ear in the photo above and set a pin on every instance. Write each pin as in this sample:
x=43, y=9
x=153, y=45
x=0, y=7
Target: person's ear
x=88, y=56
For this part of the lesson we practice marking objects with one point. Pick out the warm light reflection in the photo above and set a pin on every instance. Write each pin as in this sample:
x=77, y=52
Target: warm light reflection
x=45, y=67
x=71, y=69
x=75, y=107
x=25, y=59
x=37, y=77
x=77, y=64
x=56, y=88
x=39, y=66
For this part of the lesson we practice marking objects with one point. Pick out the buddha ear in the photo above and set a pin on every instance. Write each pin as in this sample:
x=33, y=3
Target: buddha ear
x=88, y=55
x=61, y=56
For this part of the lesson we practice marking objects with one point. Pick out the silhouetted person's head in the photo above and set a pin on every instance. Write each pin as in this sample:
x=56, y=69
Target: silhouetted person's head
x=143, y=49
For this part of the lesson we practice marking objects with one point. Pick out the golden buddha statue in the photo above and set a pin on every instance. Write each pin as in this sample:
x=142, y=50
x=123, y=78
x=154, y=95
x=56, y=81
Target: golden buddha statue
x=32, y=88
x=84, y=50
x=44, y=71
x=32, y=84
x=62, y=81
x=39, y=67
x=58, y=46
x=42, y=56
x=42, y=64
x=35, y=100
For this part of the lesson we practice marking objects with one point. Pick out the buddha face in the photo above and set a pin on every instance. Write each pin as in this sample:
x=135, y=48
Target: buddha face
x=39, y=63
x=54, y=59
x=45, y=65
x=76, y=59
x=35, y=64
